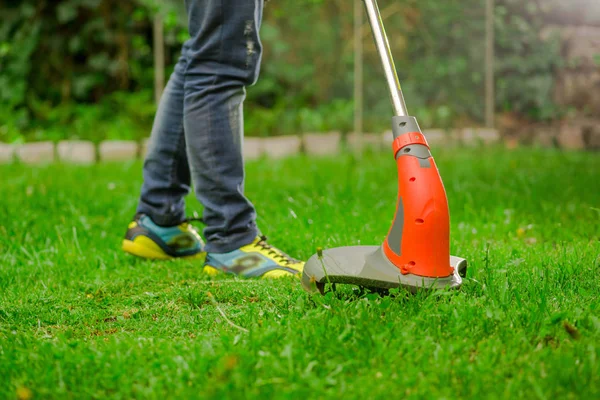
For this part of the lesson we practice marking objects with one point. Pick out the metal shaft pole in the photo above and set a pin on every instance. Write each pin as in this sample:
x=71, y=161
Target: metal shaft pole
x=358, y=68
x=383, y=48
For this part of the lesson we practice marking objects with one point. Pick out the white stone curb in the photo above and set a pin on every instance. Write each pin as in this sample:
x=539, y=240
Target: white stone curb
x=76, y=152
x=434, y=137
x=252, y=148
x=7, y=153
x=372, y=141
x=569, y=136
x=144, y=146
x=387, y=139
x=321, y=144
x=36, y=153
x=478, y=136
x=118, y=150
x=437, y=137
x=488, y=135
x=282, y=146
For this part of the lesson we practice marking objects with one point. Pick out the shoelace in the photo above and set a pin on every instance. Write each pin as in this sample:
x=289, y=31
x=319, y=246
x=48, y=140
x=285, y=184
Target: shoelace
x=276, y=253
x=262, y=243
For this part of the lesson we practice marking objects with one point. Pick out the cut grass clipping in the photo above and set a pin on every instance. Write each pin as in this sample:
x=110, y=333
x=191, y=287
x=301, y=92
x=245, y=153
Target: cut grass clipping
x=80, y=319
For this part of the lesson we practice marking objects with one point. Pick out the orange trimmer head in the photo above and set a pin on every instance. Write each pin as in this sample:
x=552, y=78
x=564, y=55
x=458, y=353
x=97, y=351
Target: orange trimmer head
x=416, y=251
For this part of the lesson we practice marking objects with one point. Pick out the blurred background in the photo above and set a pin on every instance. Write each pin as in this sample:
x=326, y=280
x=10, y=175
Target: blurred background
x=93, y=69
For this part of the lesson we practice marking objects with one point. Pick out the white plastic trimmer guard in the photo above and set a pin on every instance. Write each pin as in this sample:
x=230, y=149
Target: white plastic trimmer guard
x=368, y=266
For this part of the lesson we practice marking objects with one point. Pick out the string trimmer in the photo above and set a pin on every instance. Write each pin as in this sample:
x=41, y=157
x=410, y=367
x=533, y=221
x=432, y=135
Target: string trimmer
x=416, y=252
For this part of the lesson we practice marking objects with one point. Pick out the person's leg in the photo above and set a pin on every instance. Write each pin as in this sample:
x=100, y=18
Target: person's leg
x=223, y=58
x=158, y=230
x=166, y=171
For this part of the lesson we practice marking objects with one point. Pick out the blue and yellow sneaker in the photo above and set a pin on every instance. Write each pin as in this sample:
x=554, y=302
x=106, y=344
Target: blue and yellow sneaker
x=147, y=240
x=257, y=259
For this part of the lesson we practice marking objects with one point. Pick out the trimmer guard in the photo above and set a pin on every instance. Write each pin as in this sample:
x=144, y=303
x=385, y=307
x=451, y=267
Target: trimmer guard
x=367, y=266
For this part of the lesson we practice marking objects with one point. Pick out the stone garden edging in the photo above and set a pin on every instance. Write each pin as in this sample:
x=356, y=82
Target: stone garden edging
x=314, y=144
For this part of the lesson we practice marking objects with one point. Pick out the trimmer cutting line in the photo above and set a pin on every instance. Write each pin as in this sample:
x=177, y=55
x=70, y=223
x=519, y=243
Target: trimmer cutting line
x=416, y=251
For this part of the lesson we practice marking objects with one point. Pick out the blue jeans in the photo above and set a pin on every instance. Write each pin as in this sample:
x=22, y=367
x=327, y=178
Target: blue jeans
x=198, y=129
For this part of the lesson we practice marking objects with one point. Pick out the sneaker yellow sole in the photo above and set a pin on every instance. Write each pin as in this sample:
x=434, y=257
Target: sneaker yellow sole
x=274, y=274
x=144, y=247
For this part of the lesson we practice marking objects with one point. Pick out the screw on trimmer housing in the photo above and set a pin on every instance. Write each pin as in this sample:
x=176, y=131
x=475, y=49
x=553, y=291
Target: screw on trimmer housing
x=416, y=252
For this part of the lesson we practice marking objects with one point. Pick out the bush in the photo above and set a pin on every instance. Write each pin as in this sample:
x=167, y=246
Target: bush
x=83, y=68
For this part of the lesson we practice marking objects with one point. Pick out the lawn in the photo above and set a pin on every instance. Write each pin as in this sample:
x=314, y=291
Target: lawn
x=80, y=319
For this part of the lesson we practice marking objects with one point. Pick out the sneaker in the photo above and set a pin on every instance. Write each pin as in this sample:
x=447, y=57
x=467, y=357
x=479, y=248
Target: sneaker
x=257, y=259
x=147, y=240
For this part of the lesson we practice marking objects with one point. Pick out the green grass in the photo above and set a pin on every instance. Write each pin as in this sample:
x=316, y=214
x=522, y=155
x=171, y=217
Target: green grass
x=80, y=319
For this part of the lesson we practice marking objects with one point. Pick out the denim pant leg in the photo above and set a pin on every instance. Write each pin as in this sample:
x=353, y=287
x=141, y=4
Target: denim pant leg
x=223, y=57
x=166, y=171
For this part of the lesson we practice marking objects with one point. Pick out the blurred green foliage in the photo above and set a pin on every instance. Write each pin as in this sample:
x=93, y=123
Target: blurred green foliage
x=84, y=68
x=526, y=67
